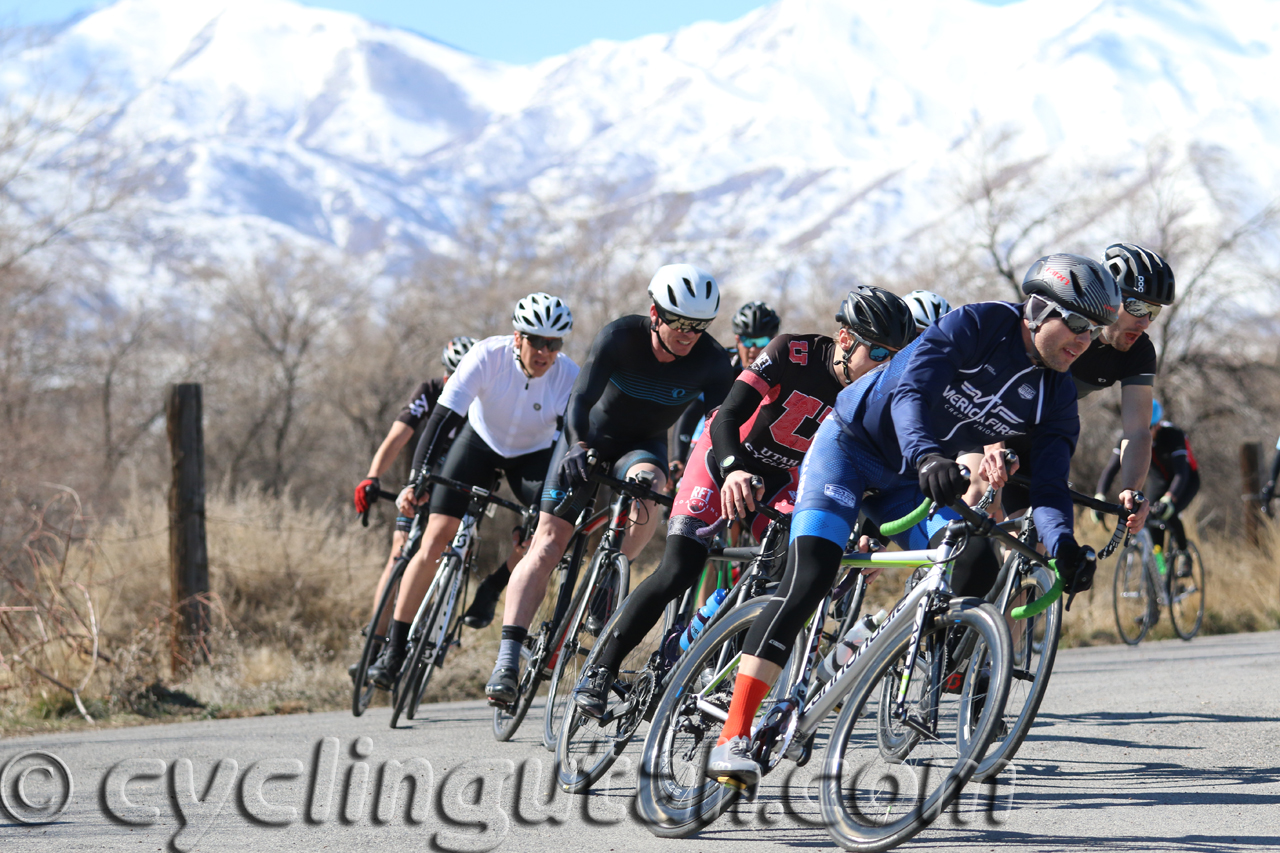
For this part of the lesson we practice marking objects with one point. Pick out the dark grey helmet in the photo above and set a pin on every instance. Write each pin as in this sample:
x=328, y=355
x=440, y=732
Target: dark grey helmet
x=879, y=316
x=1076, y=283
x=1141, y=273
x=755, y=320
x=455, y=350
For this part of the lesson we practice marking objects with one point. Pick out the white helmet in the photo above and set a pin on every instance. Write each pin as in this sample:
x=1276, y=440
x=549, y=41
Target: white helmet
x=686, y=291
x=542, y=314
x=455, y=350
x=926, y=307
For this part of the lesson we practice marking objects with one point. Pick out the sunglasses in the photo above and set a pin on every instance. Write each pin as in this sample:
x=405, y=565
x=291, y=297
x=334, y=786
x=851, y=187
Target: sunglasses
x=1077, y=323
x=754, y=343
x=541, y=342
x=1138, y=308
x=875, y=352
x=681, y=324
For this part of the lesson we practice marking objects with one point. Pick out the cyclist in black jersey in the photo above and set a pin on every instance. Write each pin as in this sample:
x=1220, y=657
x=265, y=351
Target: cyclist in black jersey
x=640, y=374
x=1173, y=482
x=1123, y=353
x=405, y=430
x=754, y=326
x=1269, y=490
x=762, y=430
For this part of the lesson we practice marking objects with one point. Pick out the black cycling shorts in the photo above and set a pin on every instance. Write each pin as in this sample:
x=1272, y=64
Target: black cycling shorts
x=472, y=461
x=575, y=497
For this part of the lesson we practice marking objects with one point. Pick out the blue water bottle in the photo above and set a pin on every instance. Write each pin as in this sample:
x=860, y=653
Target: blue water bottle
x=701, y=618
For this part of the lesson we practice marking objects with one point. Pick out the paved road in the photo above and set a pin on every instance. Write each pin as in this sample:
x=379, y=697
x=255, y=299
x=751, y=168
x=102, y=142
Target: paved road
x=1171, y=746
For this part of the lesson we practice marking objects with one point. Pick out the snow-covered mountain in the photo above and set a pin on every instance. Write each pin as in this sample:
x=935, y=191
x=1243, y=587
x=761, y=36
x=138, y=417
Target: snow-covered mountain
x=804, y=126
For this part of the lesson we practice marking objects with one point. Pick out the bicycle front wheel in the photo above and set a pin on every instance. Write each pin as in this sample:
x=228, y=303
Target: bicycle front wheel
x=362, y=688
x=875, y=798
x=1035, y=645
x=579, y=640
x=427, y=643
x=1133, y=596
x=1186, y=591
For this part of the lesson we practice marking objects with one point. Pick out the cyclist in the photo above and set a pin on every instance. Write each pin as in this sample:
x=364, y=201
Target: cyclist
x=926, y=307
x=509, y=389
x=1123, y=353
x=754, y=326
x=1173, y=482
x=763, y=429
x=641, y=373
x=983, y=372
x=1269, y=490
x=407, y=425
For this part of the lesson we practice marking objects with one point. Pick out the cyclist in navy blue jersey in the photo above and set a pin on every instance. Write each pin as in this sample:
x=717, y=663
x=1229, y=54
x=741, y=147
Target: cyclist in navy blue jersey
x=640, y=375
x=982, y=373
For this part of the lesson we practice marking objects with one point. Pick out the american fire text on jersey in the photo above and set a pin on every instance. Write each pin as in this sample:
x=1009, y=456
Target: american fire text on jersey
x=970, y=404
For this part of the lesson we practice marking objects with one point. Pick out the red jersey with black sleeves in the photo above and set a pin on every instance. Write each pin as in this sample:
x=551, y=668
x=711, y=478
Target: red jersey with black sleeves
x=772, y=413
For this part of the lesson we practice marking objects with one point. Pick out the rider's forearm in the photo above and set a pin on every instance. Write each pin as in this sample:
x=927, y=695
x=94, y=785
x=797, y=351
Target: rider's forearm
x=441, y=422
x=726, y=429
x=1135, y=459
x=390, y=448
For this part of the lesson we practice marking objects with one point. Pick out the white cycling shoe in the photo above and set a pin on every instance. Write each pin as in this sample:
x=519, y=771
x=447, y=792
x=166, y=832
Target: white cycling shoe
x=731, y=763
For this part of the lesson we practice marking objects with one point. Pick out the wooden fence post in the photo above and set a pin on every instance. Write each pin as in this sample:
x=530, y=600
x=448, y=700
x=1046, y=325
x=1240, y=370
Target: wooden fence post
x=188, y=556
x=1250, y=453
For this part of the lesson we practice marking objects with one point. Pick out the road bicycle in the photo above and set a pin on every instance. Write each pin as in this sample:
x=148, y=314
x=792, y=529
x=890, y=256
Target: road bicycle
x=437, y=624
x=587, y=747
x=1148, y=578
x=555, y=637
x=880, y=783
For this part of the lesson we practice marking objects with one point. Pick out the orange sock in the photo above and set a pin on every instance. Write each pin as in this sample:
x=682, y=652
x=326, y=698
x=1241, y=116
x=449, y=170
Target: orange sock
x=748, y=693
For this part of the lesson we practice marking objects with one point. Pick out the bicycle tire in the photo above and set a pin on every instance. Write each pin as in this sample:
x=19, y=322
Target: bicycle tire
x=1035, y=647
x=585, y=750
x=675, y=799
x=411, y=672
x=446, y=626
x=362, y=688
x=963, y=727
x=1132, y=596
x=1186, y=590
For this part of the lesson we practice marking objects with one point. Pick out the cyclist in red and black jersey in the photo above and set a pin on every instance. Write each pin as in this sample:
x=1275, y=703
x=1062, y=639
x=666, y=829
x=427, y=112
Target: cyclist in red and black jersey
x=1173, y=482
x=763, y=429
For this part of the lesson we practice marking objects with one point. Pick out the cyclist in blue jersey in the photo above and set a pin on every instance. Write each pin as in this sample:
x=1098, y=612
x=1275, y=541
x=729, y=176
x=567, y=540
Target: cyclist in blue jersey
x=983, y=372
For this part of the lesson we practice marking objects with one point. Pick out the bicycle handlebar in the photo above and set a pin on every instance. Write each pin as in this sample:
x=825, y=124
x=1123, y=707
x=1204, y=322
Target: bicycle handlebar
x=630, y=487
x=382, y=494
x=1045, y=601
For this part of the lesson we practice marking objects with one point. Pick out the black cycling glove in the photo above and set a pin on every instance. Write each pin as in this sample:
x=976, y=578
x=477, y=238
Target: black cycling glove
x=573, y=467
x=941, y=479
x=1076, y=565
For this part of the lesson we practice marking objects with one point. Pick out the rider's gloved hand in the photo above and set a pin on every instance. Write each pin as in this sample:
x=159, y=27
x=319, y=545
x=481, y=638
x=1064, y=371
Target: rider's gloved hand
x=941, y=479
x=1098, y=516
x=1165, y=510
x=573, y=467
x=1076, y=565
x=367, y=493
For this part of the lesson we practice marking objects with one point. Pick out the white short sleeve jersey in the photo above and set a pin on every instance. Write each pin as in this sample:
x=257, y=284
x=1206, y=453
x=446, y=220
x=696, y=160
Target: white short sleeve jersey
x=514, y=414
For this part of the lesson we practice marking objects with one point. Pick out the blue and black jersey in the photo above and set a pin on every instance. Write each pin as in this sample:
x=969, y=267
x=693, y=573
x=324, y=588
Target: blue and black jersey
x=966, y=382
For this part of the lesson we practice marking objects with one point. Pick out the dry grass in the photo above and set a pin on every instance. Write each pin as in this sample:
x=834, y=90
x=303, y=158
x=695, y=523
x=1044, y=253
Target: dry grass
x=291, y=587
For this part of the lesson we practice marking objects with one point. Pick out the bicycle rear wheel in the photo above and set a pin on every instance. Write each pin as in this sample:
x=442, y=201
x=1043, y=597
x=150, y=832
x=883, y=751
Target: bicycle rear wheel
x=1035, y=645
x=578, y=642
x=586, y=747
x=362, y=688
x=1186, y=591
x=873, y=799
x=1133, y=596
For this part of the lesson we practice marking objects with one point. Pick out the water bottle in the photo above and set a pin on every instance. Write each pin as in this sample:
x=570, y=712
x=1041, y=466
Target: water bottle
x=701, y=618
x=854, y=637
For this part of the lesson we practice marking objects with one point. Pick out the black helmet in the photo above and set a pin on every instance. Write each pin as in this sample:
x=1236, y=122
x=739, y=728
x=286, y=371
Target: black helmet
x=455, y=350
x=1076, y=283
x=878, y=316
x=1141, y=273
x=756, y=320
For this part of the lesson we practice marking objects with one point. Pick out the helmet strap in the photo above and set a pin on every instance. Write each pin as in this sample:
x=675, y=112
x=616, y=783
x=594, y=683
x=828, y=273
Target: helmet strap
x=653, y=327
x=844, y=362
x=515, y=353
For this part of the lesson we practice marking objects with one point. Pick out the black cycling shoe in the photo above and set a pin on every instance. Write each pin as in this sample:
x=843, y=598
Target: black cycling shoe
x=386, y=669
x=480, y=613
x=592, y=693
x=503, y=686
x=353, y=670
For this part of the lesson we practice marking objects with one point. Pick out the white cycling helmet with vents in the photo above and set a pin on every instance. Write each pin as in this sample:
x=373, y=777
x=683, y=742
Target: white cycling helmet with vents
x=926, y=307
x=542, y=314
x=685, y=290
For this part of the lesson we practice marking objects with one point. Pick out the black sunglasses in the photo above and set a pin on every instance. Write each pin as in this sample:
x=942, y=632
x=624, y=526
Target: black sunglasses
x=681, y=324
x=542, y=342
x=1138, y=308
